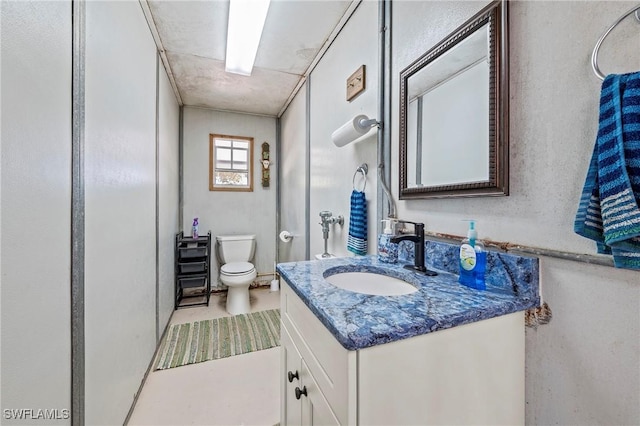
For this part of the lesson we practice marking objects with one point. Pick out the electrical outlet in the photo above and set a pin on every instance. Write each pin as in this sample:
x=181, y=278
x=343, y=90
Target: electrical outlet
x=356, y=83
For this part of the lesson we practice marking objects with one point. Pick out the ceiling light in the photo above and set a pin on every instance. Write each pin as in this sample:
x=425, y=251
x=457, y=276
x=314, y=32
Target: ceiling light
x=246, y=20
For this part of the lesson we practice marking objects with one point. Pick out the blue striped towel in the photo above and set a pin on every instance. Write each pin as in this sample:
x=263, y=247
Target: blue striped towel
x=609, y=211
x=357, y=242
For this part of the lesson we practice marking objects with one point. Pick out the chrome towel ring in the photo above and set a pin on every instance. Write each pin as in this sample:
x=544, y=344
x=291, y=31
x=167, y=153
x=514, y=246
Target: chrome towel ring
x=594, y=55
x=363, y=168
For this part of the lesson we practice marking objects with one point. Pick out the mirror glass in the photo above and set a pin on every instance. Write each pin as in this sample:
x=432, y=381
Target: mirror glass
x=453, y=113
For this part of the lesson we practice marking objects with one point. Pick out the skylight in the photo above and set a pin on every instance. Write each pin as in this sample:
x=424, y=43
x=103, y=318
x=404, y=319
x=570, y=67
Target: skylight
x=246, y=21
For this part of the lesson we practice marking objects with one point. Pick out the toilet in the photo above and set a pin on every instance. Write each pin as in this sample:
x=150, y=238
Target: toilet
x=237, y=272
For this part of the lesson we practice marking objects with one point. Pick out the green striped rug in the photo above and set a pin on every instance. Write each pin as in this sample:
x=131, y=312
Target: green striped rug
x=219, y=338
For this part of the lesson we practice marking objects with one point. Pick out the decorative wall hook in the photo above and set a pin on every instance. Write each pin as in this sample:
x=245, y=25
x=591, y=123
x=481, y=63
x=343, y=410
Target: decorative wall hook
x=265, y=165
x=356, y=83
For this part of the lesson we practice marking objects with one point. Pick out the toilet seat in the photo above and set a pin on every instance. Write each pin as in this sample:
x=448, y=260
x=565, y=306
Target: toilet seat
x=237, y=268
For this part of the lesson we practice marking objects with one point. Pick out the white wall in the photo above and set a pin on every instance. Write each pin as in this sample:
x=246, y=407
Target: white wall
x=293, y=174
x=120, y=272
x=168, y=193
x=332, y=168
x=226, y=212
x=36, y=206
x=582, y=368
x=120, y=177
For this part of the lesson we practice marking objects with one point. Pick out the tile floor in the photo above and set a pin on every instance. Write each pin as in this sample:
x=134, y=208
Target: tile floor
x=239, y=390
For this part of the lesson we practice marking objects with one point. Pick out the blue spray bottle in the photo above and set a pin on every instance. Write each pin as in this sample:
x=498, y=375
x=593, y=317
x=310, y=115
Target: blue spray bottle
x=473, y=260
x=194, y=229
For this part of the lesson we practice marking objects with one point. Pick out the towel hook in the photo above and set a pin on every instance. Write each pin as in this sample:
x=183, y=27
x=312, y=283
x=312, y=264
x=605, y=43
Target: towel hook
x=363, y=168
x=594, y=55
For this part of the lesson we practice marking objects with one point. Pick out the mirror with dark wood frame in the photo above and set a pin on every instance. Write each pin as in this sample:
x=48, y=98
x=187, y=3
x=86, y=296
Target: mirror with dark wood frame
x=454, y=135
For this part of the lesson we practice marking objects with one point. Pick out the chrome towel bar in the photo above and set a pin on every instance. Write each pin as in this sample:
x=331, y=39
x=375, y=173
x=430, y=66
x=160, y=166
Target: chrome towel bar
x=363, y=168
x=594, y=55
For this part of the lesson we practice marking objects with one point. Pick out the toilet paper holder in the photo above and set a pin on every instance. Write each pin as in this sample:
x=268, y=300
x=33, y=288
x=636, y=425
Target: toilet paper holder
x=286, y=236
x=353, y=130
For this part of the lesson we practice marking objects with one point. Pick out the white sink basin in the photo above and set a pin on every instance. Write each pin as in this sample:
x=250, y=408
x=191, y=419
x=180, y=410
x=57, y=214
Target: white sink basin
x=371, y=283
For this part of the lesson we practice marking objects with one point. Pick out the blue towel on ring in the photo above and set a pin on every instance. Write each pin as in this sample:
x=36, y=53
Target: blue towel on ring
x=357, y=241
x=609, y=211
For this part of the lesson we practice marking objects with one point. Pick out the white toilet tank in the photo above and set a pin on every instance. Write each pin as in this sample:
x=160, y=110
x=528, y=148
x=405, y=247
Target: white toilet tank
x=235, y=248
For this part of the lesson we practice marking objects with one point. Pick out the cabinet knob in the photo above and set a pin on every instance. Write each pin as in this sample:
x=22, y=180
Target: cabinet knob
x=292, y=376
x=299, y=392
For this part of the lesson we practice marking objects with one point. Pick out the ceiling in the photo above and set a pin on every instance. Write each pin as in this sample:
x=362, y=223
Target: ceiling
x=192, y=36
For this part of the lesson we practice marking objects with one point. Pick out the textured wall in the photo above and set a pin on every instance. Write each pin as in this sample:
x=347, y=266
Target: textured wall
x=293, y=173
x=332, y=168
x=582, y=368
x=225, y=212
x=554, y=101
x=36, y=206
x=120, y=173
x=168, y=188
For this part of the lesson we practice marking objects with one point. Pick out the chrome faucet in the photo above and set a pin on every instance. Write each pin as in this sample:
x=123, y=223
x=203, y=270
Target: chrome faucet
x=326, y=219
x=418, y=243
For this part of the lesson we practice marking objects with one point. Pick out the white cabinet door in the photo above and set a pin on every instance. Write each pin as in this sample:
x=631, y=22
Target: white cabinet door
x=315, y=408
x=302, y=402
x=292, y=362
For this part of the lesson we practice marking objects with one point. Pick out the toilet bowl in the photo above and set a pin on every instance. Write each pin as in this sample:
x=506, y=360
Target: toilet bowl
x=238, y=276
x=237, y=273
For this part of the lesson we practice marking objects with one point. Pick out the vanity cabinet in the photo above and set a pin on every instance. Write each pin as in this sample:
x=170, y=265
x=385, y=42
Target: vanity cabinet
x=305, y=403
x=469, y=374
x=292, y=368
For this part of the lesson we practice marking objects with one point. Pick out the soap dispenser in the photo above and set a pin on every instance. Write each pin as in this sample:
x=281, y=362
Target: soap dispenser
x=387, y=251
x=473, y=260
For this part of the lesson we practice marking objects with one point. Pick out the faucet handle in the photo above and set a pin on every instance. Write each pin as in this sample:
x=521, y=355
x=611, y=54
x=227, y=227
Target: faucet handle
x=418, y=226
x=325, y=214
x=409, y=222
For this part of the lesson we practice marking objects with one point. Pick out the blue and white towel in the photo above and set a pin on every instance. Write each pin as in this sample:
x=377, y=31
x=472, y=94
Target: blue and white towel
x=357, y=242
x=609, y=211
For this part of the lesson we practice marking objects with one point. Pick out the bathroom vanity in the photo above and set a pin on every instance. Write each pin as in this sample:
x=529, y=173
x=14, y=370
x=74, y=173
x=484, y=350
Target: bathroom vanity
x=444, y=354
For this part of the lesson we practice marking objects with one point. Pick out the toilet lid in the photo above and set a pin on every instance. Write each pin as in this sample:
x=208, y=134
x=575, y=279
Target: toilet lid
x=237, y=268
